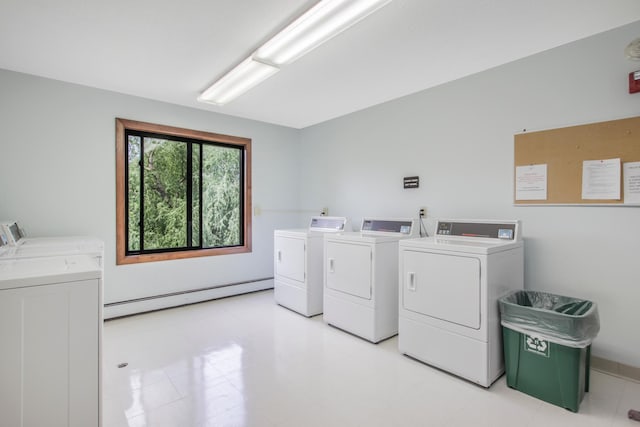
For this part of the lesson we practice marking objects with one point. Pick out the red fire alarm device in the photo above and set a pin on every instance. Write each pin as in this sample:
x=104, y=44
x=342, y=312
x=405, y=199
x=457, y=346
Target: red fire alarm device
x=634, y=82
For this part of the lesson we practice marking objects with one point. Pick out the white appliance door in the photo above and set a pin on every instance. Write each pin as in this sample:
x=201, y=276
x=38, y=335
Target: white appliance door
x=348, y=268
x=289, y=254
x=446, y=287
x=49, y=363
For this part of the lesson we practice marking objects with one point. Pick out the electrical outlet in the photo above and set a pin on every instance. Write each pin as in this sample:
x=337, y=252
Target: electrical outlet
x=324, y=212
x=423, y=212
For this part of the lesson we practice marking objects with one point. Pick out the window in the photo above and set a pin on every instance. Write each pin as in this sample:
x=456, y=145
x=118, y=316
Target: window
x=180, y=193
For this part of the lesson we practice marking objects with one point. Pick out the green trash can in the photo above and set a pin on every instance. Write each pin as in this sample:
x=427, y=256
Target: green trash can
x=547, y=345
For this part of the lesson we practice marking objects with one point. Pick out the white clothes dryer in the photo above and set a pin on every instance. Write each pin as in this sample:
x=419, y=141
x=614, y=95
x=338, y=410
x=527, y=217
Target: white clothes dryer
x=298, y=253
x=361, y=277
x=449, y=290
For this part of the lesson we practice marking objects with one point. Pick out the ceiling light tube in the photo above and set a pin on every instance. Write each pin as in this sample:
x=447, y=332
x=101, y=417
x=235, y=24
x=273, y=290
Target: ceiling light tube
x=237, y=81
x=319, y=24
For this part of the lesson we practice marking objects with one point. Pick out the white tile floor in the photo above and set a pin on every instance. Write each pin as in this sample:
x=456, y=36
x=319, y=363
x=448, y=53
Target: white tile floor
x=244, y=361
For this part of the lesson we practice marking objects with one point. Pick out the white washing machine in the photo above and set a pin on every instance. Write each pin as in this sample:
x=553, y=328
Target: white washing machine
x=20, y=246
x=449, y=289
x=51, y=331
x=297, y=267
x=361, y=277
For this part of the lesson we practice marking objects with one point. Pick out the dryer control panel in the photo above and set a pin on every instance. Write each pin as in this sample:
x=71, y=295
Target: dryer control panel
x=404, y=227
x=12, y=232
x=328, y=223
x=503, y=230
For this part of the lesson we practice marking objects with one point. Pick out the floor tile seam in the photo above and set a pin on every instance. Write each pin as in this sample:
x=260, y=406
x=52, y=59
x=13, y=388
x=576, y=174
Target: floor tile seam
x=146, y=410
x=154, y=409
x=620, y=408
x=113, y=390
x=200, y=386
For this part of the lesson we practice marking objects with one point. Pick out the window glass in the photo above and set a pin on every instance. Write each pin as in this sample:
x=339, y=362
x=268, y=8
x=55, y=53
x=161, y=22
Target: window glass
x=133, y=195
x=165, y=194
x=180, y=193
x=221, y=196
x=195, y=191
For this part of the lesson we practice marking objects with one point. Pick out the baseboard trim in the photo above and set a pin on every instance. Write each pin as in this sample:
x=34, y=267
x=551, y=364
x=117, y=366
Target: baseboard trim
x=177, y=299
x=614, y=368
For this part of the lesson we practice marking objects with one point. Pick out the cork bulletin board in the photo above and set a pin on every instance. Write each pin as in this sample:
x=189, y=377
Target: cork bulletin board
x=564, y=152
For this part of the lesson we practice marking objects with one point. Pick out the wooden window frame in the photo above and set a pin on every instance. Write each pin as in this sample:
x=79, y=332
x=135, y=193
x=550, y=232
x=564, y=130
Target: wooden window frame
x=122, y=125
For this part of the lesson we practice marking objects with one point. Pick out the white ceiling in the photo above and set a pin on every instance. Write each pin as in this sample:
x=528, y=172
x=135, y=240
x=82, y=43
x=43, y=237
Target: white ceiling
x=172, y=50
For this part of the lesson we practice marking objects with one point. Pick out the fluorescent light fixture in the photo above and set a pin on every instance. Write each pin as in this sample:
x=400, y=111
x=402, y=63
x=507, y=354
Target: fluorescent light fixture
x=237, y=81
x=319, y=24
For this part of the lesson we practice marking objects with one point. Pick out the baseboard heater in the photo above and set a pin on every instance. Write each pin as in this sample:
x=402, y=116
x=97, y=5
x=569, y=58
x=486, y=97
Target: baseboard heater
x=190, y=296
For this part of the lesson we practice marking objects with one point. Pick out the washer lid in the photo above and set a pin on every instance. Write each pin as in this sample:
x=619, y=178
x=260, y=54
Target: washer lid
x=54, y=246
x=318, y=226
x=359, y=237
x=477, y=246
x=20, y=273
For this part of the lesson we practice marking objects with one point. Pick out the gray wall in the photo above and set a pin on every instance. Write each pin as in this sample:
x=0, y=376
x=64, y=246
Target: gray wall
x=458, y=138
x=58, y=178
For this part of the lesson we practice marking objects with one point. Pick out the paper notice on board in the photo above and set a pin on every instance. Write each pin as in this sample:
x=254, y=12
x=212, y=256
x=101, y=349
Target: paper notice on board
x=631, y=179
x=601, y=179
x=531, y=182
